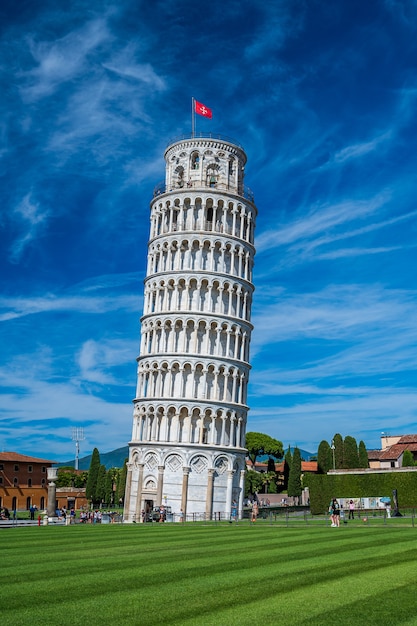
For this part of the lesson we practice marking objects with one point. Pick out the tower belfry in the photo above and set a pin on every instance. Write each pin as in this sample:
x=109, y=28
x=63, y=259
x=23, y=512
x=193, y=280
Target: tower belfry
x=190, y=411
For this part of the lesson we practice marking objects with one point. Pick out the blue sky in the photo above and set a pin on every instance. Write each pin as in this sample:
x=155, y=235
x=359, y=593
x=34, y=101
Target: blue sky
x=322, y=96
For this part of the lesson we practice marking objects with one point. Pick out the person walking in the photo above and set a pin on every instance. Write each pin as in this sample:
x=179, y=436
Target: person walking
x=351, y=510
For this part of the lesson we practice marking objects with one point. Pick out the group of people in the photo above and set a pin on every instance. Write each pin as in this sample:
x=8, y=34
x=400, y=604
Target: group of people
x=4, y=513
x=336, y=513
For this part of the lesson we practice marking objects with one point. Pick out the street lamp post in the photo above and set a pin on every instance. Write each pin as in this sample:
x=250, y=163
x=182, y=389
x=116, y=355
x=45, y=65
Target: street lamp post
x=333, y=449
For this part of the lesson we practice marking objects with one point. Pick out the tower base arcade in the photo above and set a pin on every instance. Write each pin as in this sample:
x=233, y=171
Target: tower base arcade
x=196, y=482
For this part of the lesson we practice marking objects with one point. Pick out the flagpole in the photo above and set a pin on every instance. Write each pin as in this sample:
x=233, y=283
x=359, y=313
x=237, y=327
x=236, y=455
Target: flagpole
x=192, y=118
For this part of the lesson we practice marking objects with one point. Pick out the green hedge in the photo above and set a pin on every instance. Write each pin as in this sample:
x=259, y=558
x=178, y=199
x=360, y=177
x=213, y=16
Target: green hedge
x=324, y=487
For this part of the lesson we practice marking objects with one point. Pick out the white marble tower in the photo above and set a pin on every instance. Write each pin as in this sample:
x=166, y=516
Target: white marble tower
x=190, y=411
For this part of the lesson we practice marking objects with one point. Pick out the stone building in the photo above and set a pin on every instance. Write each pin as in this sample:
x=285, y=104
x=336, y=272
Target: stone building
x=190, y=411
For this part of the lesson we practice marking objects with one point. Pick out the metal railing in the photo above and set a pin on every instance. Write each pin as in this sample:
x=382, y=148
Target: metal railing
x=209, y=136
x=295, y=517
x=162, y=188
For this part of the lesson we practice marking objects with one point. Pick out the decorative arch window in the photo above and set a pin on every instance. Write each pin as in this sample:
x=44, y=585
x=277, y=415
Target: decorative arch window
x=179, y=173
x=195, y=161
x=212, y=176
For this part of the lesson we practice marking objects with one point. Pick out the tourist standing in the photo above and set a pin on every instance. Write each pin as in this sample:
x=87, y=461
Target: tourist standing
x=335, y=513
x=255, y=511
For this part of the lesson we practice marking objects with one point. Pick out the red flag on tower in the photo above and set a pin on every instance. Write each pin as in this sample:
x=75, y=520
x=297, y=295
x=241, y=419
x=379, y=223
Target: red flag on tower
x=201, y=109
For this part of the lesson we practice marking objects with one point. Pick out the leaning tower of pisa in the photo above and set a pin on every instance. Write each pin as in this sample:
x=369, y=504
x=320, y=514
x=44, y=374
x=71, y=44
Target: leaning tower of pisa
x=190, y=410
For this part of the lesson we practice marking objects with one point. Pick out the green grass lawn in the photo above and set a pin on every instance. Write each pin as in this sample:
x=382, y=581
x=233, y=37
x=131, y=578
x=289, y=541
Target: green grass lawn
x=208, y=574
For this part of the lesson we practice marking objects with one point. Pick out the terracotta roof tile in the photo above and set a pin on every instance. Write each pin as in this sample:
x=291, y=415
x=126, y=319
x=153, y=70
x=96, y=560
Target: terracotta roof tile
x=21, y=458
x=408, y=439
x=374, y=455
x=392, y=453
x=309, y=466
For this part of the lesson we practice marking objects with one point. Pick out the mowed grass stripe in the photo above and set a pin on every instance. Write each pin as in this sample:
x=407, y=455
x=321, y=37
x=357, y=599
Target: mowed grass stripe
x=133, y=574
x=123, y=554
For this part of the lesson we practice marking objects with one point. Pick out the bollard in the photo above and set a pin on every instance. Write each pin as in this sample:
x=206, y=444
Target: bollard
x=45, y=520
x=39, y=520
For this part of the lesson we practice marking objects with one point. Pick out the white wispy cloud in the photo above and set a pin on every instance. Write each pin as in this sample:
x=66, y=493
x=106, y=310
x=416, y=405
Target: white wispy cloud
x=29, y=217
x=98, y=360
x=320, y=219
x=59, y=61
x=20, y=307
x=343, y=311
x=357, y=150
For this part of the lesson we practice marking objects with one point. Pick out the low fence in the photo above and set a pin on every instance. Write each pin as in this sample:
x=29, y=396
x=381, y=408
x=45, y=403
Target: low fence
x=297, y=516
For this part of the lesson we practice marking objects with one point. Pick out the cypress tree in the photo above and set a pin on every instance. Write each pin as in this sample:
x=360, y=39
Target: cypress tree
x=121, y=484
x=350, y=453
x=110, y=481
x=338, y=451
x=363, y=455
x=91, y=486
x=324, y=458
x=101, y=485
x=294, y=479
x=287, y=466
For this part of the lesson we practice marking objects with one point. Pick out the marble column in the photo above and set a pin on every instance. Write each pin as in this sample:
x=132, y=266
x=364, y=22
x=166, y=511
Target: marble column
x=128, y=490
x=186, y=473
x=229, y=493
x=209, y=495
x=160, y=485
x=138, y=509
x=51, y=475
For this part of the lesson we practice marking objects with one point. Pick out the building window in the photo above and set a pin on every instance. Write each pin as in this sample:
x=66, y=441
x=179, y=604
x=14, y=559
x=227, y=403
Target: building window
x=30, y=468
x=16, y=468
x=29, y=482
x=43, y=483
x=1, y=467
x=43, y=469
x=15, y=482
x=1, y=480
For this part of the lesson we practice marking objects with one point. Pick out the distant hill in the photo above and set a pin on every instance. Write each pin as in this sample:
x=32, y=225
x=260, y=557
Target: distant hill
x=116, y=458
x=305, y=456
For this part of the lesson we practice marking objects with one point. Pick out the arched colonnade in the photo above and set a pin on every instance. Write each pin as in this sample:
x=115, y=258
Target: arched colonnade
x=221, y=216
x=190, y=380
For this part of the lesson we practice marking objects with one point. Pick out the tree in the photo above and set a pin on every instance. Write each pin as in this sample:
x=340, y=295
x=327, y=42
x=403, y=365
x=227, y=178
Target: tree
x=324, y=458
x=287, y=466
x=70, y=477
x=267, y=478
x=259, y=444
x=408, y=459
x=337, y=442
x=101, y=485
x=121, y=484
x=111, y=481
x=91, y=486
x=253, y=483
x=294, y=480
x=350, y=453
x=363, y=455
